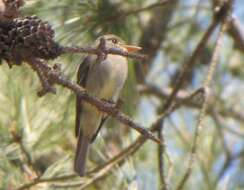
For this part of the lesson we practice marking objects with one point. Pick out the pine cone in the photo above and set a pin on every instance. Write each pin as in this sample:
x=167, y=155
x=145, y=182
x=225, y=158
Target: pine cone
x=26, y=38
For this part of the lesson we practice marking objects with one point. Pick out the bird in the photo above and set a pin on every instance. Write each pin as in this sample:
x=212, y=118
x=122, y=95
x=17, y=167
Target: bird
x=104, y=80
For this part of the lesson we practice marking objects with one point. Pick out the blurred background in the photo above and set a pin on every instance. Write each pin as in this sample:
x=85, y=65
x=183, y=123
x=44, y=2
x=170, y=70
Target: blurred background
x=37, y=134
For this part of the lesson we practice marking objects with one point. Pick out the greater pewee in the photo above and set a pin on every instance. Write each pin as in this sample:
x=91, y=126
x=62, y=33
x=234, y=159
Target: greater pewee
x=105, y=80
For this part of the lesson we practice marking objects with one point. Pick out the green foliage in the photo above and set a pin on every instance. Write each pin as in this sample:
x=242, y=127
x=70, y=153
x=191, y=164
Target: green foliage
x=46, y=125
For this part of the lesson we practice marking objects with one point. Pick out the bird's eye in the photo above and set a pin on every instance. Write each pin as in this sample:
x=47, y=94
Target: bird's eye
x=115, y=41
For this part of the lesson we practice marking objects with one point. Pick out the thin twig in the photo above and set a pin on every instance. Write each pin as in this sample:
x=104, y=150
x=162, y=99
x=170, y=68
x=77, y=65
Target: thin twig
x=97, y=51
x=227, y=164
x=161, y=164
x=163, y=94
x=202, y=113
x=235, y=29
x=44, y=180
x=188, y=67
x=28, y=164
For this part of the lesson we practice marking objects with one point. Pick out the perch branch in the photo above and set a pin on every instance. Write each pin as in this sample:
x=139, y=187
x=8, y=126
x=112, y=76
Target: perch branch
x=104, y=50
x=55, y=76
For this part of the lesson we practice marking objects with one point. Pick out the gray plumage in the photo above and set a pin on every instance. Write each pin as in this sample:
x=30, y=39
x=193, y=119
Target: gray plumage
x=104, y=80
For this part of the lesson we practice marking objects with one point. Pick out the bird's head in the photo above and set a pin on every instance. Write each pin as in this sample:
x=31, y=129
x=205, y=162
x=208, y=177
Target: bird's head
x=113, y=41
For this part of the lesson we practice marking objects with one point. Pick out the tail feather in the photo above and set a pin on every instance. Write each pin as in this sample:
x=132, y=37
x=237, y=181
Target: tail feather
x=81, y=154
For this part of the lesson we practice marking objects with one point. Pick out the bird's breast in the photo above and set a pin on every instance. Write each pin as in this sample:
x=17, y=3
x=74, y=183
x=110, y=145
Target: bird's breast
x=110, y=76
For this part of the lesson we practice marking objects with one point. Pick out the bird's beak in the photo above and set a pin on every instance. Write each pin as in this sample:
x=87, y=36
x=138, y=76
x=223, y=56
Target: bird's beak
x=131, y=48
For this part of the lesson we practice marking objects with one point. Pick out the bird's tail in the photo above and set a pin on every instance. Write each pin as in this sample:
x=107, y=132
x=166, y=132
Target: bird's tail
x=81, y=154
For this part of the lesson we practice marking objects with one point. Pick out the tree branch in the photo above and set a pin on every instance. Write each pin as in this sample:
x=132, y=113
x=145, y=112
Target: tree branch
x=163, y=94
x=105, y=51
x=55, y=76
x=161, y=164
x=203, y=110
x=235, y=29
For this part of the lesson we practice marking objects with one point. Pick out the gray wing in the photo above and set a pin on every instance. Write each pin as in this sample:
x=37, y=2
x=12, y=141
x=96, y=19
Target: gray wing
x=81, y=80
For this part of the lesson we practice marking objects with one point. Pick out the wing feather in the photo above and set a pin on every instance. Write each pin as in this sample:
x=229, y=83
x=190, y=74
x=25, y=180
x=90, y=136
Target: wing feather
x=82, y=75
